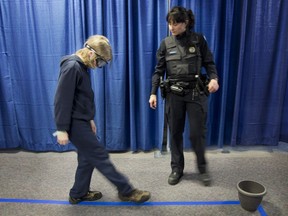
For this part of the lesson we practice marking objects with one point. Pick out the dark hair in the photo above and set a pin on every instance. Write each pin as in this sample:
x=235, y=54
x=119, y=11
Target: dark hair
x=179, y=14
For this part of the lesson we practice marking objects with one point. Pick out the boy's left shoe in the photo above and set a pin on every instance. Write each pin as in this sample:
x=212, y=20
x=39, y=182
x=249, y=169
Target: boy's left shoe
x=90, y=196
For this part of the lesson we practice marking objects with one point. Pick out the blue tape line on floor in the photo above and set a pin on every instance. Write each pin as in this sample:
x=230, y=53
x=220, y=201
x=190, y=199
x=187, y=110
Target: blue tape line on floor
x=183, y=203
x=262, y=211
x=97, y=203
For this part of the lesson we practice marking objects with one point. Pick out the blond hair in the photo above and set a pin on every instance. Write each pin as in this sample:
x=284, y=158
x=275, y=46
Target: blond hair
x=100, y=44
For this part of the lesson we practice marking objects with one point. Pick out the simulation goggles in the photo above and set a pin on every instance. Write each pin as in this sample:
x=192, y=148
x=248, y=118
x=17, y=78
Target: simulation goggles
x=100, y=61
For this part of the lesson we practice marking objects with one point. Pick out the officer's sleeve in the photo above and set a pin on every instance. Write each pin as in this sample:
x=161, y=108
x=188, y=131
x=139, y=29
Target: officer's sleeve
x=207, y=59
x=159, y=68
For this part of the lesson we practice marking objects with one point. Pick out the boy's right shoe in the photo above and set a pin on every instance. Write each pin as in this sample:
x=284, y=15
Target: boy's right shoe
x=137, y=196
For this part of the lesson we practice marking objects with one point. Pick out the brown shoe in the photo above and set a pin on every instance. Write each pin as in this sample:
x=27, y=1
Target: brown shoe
x=90, y=196
x=137, y=196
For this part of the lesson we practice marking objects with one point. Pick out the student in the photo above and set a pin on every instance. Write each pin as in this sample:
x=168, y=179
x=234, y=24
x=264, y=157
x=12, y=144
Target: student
x=74, y=114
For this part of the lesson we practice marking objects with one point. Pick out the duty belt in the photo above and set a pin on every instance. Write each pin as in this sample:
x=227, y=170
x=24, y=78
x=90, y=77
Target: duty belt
x=183, y=84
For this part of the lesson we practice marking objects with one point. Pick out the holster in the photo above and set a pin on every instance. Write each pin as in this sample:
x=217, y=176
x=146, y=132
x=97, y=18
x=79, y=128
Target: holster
x=202, y=83
x=164, y=87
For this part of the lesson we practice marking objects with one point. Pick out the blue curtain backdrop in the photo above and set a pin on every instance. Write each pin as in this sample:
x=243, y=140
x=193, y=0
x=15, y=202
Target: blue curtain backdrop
x=248, y=40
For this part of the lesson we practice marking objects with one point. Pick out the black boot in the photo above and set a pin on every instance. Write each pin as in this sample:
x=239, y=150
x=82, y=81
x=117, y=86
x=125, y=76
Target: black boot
x=205, y=178
x=174, y=177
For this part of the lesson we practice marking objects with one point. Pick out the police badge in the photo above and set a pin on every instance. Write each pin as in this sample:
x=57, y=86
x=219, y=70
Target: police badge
x=192, y=49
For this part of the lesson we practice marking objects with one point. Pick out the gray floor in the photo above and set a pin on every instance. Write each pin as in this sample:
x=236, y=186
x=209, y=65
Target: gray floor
x=38, y=183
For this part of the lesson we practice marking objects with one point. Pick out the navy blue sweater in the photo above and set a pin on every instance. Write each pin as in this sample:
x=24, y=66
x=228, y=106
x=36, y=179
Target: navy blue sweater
x=74, y=98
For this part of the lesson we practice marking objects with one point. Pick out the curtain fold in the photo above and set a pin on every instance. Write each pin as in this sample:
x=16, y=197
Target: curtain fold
x=247, y=38
x=35, y=36
x=262, y=74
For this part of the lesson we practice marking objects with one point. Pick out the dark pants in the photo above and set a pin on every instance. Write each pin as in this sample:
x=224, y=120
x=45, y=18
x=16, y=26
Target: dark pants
x=91, y=154
x=176, y=108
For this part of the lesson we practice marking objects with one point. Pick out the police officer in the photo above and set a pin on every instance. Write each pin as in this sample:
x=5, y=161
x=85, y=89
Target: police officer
x=180, y=58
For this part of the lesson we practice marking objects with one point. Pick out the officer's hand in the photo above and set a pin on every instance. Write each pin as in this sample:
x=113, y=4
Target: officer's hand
x=213, y=86
x=153, y=101
x=62, y=137
x=93, y=126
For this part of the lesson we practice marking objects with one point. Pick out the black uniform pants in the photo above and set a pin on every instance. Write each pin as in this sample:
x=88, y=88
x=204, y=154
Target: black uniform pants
x=176, y=108
x=91, y=154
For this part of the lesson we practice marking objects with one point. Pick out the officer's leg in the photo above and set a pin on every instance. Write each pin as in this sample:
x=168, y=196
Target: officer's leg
x=96, y=155
x=197, y=119
x=197, y=122
x=176, y=121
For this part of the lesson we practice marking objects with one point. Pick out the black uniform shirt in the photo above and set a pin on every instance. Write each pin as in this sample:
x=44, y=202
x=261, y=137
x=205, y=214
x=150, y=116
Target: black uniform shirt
x=74, y=96
x=206, y=55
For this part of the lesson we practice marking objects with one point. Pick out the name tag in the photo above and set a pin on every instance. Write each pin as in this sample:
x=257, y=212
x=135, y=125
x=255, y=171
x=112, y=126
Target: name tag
x=172, y=52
